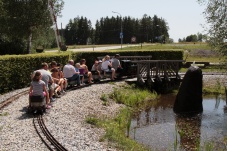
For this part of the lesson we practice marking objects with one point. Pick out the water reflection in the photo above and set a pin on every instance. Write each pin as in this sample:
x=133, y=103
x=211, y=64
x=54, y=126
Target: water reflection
x=189, y=130
x=158, y=127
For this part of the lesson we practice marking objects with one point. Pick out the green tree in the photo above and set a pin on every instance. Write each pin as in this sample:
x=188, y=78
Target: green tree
x=191, y=38
x=216, y=17
x=199, y=37
x=23, y=18
x=78, y=31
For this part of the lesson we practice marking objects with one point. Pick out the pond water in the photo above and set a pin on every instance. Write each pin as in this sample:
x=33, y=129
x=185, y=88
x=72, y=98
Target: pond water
x=159, y=128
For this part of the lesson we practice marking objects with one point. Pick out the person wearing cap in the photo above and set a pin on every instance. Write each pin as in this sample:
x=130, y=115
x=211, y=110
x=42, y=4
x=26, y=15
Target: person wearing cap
x=117, y=65
x=100, y=66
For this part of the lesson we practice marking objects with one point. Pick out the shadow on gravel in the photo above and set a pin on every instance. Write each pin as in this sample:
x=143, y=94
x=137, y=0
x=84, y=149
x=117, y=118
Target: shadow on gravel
x=25, y=115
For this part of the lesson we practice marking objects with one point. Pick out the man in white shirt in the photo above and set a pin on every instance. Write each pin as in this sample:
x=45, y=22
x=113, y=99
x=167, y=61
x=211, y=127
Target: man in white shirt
x=70, y=73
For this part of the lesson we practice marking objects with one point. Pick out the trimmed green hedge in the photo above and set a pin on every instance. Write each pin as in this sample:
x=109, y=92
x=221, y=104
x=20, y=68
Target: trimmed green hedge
x=16, y=69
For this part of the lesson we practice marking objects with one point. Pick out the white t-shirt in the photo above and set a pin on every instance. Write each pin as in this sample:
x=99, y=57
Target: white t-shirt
x=105, y=65
x=69, y=71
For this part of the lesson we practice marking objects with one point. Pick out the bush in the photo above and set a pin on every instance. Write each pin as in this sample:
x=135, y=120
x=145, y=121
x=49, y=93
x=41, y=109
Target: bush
x=16, y=69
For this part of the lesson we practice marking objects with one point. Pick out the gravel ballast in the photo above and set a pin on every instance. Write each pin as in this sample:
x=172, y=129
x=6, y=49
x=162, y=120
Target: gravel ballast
x=65, y=120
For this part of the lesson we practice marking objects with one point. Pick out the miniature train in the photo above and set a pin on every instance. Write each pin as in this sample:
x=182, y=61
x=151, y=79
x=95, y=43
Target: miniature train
x=129, y=69
x=38, y=103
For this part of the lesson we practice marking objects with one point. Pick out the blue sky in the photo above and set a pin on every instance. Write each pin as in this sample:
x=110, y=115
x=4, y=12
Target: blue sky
x=184, y=17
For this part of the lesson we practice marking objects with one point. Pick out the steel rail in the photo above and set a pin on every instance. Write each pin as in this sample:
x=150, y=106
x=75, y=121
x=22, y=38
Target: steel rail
x=48, y=146
x=12, y=98
x=48, y=135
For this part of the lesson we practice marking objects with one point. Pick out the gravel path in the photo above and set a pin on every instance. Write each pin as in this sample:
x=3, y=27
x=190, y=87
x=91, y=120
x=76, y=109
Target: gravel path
x=213, y=80
x=66, y=121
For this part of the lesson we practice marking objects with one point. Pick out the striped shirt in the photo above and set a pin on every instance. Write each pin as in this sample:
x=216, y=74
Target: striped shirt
x=37, y=87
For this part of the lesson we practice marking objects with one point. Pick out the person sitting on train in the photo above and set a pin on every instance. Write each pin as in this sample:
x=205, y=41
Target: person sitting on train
x=87, y=72
x=117, y=65
x=38, y=88
x=53, y=64
x=70, y=73
x=61, y=75
x=46, y=77
x=100, y=66
x=59, y=82
x=96, y=68
x=81, y=71
x=107, y=66
x=58, y=76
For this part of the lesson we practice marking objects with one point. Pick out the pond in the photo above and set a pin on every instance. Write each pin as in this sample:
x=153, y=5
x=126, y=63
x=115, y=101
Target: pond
x=159, y=128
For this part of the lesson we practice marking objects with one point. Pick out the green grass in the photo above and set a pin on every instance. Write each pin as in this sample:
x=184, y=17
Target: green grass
x=92, y=120
x=118, y=128
x=188, y=46
x=131, y=96
x=104, y=99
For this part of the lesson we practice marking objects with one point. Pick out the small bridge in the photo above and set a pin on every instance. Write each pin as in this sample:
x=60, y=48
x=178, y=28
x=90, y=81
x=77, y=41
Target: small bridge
x=158, y=74
x=162, y=68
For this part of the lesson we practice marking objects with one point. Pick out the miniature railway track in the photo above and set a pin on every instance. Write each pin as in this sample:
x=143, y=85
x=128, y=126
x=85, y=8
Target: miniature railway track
x=12, y=98
x=53, y=143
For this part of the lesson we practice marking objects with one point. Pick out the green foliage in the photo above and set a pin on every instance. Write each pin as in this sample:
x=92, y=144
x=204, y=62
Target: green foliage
x=216, y=16
x=115, y=132
x=208, y=146
x=116, y=127
x=146, y=29
x=26, y=19
x=104, y=99
x=44, y=38
x=15, y=46
x=78, y=31
x=92, y=120
x=16, y=69
x=132, y=97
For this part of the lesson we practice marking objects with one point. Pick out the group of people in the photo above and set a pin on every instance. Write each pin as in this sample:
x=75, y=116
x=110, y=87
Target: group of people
x=48, y=82
x=51, y=81
x=77, y=72
x=108, y=65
